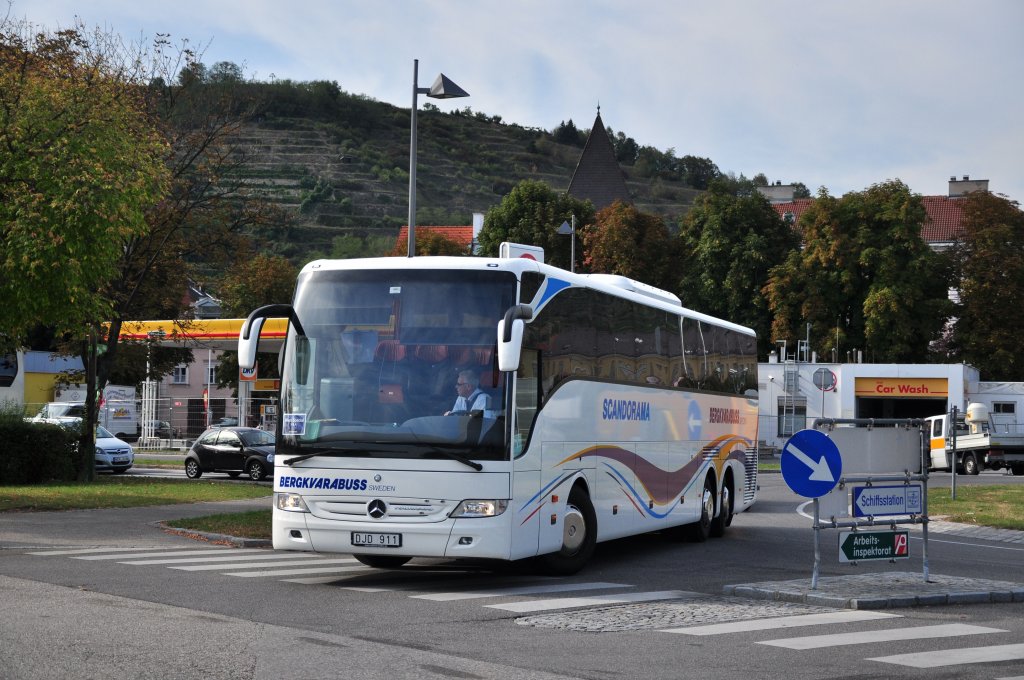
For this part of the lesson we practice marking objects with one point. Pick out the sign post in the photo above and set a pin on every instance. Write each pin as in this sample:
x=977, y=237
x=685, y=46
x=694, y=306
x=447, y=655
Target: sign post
x=811, y=465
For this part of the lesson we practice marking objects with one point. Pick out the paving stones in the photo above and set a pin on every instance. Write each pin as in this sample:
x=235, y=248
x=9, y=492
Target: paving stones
x=695, y=611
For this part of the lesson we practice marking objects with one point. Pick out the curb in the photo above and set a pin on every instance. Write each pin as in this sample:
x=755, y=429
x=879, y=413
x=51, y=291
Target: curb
x=882, y=591
x=209, y=537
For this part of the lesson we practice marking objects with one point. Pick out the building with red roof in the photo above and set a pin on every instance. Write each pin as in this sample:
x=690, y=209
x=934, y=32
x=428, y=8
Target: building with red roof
x=467, y=236
x=940, y=230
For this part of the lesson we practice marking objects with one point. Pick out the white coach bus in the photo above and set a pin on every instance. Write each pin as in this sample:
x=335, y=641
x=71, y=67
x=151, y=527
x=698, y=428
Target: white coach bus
x=610, y=410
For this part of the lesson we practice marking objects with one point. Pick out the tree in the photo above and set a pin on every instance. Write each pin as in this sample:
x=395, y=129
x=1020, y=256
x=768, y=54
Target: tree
x=430, y=243
x=531, y=214
x=68, y=103
x=198, y=229
x=990, y=269
x=865, y=275
x=622, y=240
x=253, y=282
x=729, y=245
x=82, y=163
x=568, y=133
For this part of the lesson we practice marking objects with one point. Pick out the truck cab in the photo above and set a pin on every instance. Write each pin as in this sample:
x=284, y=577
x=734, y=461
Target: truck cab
x=978, y=444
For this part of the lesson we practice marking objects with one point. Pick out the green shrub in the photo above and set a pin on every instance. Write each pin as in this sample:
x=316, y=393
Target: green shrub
x=34, y=453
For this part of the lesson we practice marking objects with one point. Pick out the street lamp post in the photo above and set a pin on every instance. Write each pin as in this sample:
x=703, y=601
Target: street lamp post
x=443, y=88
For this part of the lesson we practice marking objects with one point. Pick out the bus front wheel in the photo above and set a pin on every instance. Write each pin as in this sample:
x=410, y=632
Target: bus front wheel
x=579, y=536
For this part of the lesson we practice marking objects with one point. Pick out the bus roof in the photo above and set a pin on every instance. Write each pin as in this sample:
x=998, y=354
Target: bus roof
x=612, y=284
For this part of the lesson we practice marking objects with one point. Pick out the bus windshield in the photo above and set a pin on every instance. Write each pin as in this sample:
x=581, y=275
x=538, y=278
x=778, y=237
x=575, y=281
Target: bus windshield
x=396, y=363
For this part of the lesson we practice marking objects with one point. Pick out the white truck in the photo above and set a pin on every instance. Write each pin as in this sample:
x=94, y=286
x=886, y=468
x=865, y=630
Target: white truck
x=117, y=412
x=980, y=443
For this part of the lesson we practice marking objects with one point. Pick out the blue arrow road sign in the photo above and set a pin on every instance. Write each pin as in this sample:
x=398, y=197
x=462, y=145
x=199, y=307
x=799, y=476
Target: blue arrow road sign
x=811, y=464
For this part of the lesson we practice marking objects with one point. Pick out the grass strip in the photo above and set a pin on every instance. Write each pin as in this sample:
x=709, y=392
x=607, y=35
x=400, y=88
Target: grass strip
x=122, y=492
x=1001, y=507
x=252, y=524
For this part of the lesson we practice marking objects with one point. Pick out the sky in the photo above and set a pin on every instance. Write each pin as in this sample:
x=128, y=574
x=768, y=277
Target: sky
x=840, y=95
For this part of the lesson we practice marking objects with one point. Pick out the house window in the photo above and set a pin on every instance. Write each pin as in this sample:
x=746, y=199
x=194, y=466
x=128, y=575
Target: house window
x=180, y=375
x=1005, y=408
x=211, y=374
x=792, y=415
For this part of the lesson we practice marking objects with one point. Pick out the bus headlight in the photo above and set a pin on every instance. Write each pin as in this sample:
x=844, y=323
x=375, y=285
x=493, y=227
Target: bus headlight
x=489, y=508
x=290, y=502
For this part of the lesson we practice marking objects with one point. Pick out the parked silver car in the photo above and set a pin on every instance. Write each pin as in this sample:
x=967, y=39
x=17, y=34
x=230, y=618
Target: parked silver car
x=112, y=454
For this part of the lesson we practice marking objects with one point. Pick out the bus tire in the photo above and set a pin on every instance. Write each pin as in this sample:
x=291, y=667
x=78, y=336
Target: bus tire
x=382, y=561
x=701, y=529
x=724, y=519
x=579, y=536
x=971, y=464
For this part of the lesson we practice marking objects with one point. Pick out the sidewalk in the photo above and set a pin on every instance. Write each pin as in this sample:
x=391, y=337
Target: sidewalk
x=883, y=590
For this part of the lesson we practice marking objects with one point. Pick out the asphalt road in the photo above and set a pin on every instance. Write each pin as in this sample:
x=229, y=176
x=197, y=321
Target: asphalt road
x=124, y=610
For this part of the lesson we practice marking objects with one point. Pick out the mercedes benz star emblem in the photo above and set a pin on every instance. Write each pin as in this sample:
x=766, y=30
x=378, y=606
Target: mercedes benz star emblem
x=377, y=508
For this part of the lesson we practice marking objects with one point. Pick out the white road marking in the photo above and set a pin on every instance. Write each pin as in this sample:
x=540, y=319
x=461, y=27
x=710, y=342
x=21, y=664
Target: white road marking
x=953, y=657
x=86, y=551
x=222, y=558
x=520, y=590
x=570, y=602
x=863, y=637
x=294, y=572
x=176, y=553
x=261, y=565
x=798, y=620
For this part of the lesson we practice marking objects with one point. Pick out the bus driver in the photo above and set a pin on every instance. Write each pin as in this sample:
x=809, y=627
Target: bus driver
x=471, y=397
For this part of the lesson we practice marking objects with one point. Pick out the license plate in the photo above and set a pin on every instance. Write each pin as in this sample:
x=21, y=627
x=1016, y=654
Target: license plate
x=377, y=540
x=121, y=459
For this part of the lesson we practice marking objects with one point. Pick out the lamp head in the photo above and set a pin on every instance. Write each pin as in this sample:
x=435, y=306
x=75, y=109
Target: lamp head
x=444, y=88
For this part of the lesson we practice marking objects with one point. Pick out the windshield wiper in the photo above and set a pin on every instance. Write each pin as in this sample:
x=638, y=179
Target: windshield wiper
x=359, y=447
x=305, y=456
x=457, y=457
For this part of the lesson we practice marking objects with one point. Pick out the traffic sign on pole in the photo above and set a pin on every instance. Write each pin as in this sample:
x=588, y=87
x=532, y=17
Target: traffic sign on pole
x=881, y=501
x=811, y=463
x=856, y=546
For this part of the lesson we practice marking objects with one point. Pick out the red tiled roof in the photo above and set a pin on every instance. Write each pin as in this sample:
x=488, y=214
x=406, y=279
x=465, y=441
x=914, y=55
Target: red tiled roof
x=796, y=207
x=461, y=235
x=941, y=226
x=944, y=217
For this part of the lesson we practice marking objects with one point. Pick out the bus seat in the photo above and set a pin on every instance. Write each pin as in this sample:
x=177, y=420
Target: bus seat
x=389, y=350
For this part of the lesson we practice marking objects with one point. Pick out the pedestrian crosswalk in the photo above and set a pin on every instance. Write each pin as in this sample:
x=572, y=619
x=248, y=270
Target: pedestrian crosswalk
x=526, y=595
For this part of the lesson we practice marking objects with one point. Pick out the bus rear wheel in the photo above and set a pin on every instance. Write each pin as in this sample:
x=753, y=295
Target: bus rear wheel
x=579, y=536
x=382, y=561
x=724, y=519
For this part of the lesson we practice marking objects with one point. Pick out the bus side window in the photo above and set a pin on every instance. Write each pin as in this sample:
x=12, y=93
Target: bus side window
x=527, y=394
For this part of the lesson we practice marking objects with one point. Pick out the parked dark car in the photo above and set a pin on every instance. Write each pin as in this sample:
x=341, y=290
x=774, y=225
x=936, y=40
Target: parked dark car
x=233, y=450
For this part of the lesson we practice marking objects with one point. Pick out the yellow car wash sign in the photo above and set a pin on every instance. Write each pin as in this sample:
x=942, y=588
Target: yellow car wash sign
x=901, y=387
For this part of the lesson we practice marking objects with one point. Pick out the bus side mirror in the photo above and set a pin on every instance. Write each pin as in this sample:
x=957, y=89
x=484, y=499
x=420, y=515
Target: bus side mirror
x=248, y=341
x=249, y=337
x=510, y=336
